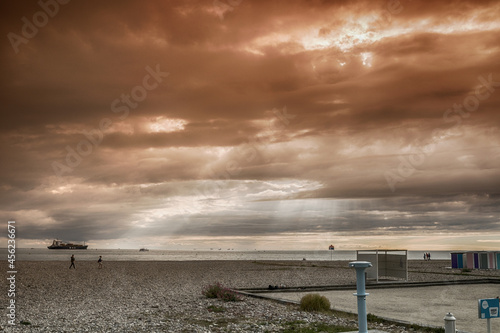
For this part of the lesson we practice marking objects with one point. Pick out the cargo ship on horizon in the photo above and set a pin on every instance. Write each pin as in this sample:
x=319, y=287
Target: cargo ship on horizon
x=60, y=245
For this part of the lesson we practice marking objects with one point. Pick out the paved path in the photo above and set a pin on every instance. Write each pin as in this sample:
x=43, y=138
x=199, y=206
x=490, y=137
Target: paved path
x=426, y=305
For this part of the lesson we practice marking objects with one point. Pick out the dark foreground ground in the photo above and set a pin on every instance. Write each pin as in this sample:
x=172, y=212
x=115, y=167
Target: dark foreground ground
x=167, y=296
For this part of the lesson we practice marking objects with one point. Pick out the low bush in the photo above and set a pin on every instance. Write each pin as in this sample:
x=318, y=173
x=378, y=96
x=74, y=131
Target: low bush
x=216, y=290
x=212, y=290
x=314, y=302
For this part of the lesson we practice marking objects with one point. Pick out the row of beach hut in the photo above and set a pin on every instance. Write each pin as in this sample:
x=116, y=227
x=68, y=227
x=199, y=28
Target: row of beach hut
x=476, y=260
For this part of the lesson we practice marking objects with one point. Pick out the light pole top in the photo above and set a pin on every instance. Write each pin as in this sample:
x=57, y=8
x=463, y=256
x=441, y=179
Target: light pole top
x=360, y=264
x=449, y=316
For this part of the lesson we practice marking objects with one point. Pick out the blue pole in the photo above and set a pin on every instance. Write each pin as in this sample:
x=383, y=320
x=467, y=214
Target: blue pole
x=361, y=294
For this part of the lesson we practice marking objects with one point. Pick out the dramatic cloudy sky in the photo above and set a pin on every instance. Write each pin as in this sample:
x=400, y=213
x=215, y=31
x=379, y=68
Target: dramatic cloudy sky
x=252, y=124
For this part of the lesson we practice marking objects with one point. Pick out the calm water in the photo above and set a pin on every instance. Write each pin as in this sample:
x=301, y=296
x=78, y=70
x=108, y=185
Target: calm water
x=166, y=255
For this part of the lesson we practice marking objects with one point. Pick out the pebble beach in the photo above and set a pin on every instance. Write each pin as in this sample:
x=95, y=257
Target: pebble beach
x=167, y=296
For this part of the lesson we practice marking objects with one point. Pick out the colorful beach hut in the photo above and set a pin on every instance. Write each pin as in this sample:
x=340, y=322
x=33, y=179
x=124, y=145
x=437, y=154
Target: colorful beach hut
x=470, y=260
x=457, y=260
x=475, y=260
x=483, y=260
x=492, y=260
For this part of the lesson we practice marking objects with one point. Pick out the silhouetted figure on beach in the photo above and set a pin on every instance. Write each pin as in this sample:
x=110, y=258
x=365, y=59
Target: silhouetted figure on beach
x=99, y=262
x=72, y=262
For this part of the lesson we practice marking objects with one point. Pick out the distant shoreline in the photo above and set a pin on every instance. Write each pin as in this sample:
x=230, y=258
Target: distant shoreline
x=220, y=260
x=234, y=250
x=23, y=254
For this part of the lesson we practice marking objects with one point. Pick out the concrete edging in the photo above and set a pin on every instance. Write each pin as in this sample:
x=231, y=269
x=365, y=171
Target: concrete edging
x=380, y=285
x=256, y=294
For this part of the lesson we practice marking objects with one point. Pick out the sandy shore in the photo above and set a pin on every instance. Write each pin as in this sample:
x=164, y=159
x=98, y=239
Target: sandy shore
x=166, y=296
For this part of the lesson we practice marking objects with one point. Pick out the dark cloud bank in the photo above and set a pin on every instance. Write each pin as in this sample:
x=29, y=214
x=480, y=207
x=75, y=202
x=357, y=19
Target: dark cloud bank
x=177, y=122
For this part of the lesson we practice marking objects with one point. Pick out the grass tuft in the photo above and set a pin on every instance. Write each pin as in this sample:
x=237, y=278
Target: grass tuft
x=314, y=302
x=216, y=309
x=299, y=326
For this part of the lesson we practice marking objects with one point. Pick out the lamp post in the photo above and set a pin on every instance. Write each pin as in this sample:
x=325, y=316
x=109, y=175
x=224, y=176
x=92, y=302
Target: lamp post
x=361, y=294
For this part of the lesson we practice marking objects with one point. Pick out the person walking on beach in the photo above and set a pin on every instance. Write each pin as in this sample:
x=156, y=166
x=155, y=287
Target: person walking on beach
x=100, y=262
x=72, y=262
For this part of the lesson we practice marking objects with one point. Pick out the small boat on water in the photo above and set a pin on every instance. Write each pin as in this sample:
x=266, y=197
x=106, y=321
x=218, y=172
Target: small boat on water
x=60, y=245
x=143, y=249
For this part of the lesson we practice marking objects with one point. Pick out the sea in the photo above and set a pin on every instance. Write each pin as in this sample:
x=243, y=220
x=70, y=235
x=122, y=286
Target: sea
x=38, y=254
